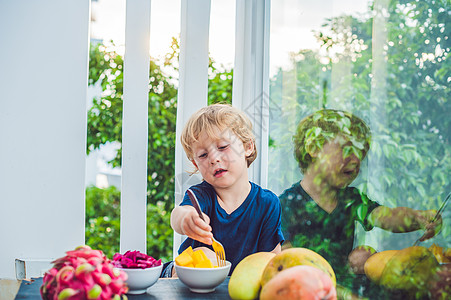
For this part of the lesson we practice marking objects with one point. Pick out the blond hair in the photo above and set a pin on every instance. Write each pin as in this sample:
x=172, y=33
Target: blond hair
x=213, y=117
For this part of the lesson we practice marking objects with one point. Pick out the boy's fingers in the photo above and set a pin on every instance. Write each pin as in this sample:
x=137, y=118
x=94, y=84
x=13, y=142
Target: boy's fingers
x=427, y=235
x=207, y=241
x=198, y=234
x=199, y=230
x=206, y=218
x=432, y=229
x=200, y=223
x=431, y=215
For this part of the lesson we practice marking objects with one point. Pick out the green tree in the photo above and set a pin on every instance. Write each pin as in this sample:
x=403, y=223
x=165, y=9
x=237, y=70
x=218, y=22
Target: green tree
x=105, y=119
x=414, y=136
x=102, y=219
x=105, y=125
x=412, y=133
x=409, y=115
x=220, y=84
x=103, y=223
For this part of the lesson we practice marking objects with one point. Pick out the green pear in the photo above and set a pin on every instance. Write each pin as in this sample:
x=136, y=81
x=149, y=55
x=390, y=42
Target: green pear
x=245, y=282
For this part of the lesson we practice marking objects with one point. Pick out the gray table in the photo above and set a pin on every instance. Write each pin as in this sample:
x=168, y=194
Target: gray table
x=165, y=288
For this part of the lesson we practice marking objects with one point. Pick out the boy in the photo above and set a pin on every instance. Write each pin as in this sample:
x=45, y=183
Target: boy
x=244, y=217
x=320, y=211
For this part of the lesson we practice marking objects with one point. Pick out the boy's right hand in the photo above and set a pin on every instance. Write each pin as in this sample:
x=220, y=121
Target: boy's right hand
x=194, y=227
x=432, y=227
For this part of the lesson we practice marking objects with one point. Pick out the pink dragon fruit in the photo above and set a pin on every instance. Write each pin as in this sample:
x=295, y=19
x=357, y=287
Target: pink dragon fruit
x=84, y=273
x=135, y=260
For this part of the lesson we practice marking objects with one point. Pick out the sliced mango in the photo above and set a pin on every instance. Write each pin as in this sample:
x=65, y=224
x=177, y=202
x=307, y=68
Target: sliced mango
x=199, y=256
x=193, y=259
x=204, y=264
x=188, y=250
x=184, y=259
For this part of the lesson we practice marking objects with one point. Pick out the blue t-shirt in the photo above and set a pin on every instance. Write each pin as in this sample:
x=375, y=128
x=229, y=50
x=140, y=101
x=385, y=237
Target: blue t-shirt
x=254, y=226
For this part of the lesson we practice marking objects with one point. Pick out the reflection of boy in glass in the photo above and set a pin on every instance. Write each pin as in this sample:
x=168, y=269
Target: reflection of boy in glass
x=320, y=211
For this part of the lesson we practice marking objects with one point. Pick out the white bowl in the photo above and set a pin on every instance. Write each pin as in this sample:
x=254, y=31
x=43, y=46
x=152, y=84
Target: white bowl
x=202, y=280
x=139, y=280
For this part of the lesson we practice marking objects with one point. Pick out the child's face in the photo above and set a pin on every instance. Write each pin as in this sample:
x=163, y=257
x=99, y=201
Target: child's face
x=332, y=168
x=222, y=162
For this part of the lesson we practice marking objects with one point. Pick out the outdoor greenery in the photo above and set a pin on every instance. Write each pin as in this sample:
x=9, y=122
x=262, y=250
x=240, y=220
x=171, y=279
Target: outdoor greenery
x=397, y=80
x=105, y=125
x=102, y=219
x=391, y=67
x=103, y=223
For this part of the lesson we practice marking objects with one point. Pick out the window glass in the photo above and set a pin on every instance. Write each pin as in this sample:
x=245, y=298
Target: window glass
x=104, y=123
x=357, y=66
x=221, y=51
x=222, y=32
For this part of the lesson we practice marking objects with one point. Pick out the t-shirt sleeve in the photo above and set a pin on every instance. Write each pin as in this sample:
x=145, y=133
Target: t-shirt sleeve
x=271, y=231
x=185, y=200
x=203, y=195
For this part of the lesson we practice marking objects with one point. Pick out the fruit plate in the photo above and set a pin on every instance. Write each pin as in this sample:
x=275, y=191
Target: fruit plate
x=202, y=280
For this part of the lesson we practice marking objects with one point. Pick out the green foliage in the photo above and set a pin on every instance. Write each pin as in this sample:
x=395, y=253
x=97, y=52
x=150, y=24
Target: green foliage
x=105, y=125
x=398, y=83
x=391, y=67
x=103, y=219
x=105, y=120
x=103, y=224
x=220, y=84
x=159, y=232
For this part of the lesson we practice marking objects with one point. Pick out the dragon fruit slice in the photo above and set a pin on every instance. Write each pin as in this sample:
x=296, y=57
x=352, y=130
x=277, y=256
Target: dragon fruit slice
x=82, y=274
x=135, y=260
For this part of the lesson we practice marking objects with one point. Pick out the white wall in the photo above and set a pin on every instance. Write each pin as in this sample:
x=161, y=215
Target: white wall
x=43, y=84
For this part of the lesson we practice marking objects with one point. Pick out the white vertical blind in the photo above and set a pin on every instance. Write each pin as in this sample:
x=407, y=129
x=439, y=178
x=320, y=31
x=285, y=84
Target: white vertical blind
x=193, y=86
x=134, y=127
x=251, y=76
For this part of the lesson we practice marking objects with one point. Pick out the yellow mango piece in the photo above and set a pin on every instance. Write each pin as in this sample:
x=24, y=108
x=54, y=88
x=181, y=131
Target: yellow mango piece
x=188, y=250
x=204, y=264
x=183, y=259
x=189, y=266
x=199, y=256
